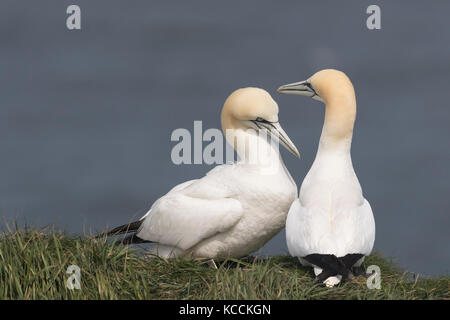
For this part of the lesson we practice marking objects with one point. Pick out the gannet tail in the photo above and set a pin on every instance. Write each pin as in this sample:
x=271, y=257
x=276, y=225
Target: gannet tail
x=330, y=269
x=126, y=228
x=132, y=228
x=134, y=239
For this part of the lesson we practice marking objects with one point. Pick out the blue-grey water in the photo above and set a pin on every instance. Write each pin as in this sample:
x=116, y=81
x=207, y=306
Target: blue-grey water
x=86, y=116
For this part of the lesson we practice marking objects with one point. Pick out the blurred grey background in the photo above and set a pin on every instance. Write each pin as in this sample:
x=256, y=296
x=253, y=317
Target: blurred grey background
x=86, y=116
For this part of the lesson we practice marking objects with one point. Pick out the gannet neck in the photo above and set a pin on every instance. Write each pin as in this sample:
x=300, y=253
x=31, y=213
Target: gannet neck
x=338, y=125
x=340, y=112
x=253, y=147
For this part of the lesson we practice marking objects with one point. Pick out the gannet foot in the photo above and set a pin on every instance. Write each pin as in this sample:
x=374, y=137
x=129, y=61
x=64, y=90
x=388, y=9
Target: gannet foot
x=324, y=275
x=330, y=278
x=330, y=266
x=332, y=281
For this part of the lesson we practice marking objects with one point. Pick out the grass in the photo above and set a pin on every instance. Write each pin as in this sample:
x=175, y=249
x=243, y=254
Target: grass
x=33, y=265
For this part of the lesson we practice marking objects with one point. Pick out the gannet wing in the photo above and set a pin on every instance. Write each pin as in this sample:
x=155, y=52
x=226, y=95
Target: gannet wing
x=353, y=230
x=365, y=229
x=298, y=230
x=178, y=187
x=314, y=231
x=185, y=216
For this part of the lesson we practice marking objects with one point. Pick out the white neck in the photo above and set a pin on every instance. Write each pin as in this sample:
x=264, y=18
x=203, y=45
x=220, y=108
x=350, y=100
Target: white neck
x=338, y=125
x=254, y=148
x=328, y=144
x=333, y=159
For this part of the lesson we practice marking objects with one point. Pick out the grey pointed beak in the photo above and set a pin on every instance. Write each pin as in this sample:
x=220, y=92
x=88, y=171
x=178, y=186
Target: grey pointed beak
x=302, y=88
x=275, y=130
x=285, y=140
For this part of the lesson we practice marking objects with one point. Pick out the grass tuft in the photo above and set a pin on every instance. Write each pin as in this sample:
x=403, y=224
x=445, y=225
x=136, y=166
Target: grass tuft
x=33, y=265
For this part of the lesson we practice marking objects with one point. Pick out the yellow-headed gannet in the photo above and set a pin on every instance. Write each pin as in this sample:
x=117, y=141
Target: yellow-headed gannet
x=331, y=226
x=236, y=208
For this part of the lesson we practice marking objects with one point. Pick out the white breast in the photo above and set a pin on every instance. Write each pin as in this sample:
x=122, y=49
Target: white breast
x=231, y=212
x=331, y=215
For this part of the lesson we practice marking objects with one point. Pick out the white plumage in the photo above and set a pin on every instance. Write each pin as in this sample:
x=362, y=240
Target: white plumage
x=236, y=208
x=232, y=211
x=331, y=216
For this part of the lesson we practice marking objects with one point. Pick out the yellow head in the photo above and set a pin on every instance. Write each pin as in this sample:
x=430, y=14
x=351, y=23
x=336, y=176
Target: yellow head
x=327, y=85
x=254, y=108
x=335, y=89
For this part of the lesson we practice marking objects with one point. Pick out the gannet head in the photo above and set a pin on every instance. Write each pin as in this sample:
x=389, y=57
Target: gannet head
x=324, y=86
x=335, y=89
x=254, y=108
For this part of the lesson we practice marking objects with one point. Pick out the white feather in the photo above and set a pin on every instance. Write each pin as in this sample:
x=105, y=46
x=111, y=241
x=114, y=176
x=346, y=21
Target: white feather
x=331, y=215
x=232, y=211
x=235, y=209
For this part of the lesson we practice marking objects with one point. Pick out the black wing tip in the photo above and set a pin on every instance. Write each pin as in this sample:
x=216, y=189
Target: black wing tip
x=126, y=228
x=333, y=265
x=133, y=239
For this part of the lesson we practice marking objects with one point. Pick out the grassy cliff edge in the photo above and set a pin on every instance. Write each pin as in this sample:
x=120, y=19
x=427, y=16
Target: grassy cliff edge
x=33, y=265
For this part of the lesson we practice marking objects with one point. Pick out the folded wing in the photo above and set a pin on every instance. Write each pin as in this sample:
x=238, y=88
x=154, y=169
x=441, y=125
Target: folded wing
x=316, y=230
x=185, y=216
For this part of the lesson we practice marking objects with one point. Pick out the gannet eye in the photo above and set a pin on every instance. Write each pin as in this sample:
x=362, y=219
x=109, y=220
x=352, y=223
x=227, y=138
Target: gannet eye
x=263, y=123
x=262, y=120
x=315, y=95
x=309, y=85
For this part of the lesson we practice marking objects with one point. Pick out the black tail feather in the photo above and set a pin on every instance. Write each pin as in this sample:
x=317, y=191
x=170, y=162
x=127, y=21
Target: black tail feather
x=350, y=259
x=328, y=262
x=126, y=228
x=332, y=265
x=133, y=239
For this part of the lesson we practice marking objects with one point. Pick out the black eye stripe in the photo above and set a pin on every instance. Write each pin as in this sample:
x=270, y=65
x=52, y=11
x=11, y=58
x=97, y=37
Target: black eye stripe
x=262, y=120
x=310, y=87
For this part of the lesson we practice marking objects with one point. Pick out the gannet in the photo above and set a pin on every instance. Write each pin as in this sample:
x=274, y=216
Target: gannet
x=331, y=225
x=236, y=208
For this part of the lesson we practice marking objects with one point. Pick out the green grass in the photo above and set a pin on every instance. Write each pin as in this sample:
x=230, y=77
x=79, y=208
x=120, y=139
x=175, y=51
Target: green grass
x=33, y=265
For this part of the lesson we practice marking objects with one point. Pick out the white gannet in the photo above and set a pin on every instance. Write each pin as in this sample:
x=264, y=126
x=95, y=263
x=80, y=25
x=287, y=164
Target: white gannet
x=236, y=208
x=331, y=226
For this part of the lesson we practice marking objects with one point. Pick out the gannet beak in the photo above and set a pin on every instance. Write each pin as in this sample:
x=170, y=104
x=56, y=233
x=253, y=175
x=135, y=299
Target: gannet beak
x=275, y=130
x=303, y=88
x=285, y=140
